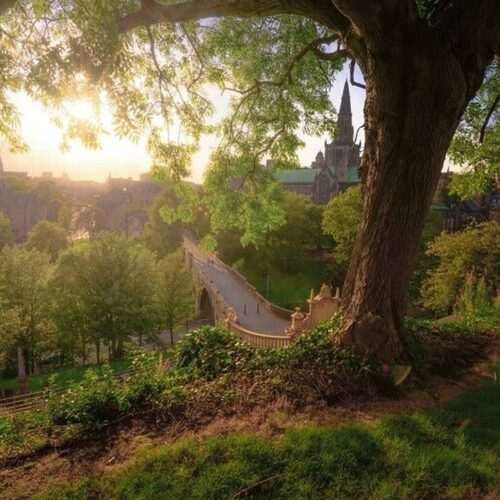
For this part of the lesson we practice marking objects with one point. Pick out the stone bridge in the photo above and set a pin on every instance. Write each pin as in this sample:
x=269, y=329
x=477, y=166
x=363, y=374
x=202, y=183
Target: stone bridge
x=224, y=295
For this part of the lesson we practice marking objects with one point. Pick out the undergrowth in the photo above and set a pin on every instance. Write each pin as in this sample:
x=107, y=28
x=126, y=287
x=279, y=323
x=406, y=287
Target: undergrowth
x=212, y=372
x=450, y=452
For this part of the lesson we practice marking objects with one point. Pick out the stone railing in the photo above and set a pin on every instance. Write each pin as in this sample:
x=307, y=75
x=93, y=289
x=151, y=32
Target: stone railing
x=220, y=305
x=278, y=311
x=258, y=339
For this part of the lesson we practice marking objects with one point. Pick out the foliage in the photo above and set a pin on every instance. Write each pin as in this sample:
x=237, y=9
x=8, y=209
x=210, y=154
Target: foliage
x=6, y=237
x=289, y=289
x=108, y=286
x=283, y=249
x=23, y=278
x=445, y=453
x=62, y=377
x=341, y=221
x=90, y=221
x=91, y=403
x=301, y=231
x=160, y=236
x=174, y=291
x=209, y=352
x=48, y=237
x=476, y=297
x=472, y=251
x=478, y=159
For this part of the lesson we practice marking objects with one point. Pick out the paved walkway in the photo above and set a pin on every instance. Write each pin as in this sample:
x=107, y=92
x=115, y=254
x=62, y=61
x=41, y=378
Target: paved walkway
x=257, y=319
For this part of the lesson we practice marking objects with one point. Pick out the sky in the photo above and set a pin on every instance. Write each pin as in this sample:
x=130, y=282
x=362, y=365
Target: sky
x=121, y=157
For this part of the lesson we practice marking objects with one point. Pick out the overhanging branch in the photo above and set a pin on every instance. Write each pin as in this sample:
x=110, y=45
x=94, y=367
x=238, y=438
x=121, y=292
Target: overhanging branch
x=352, y=65
x=494, y=106
x=321, y=11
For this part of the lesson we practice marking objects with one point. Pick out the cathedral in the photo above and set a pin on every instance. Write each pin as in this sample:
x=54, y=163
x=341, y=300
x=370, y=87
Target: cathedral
x=332, y=171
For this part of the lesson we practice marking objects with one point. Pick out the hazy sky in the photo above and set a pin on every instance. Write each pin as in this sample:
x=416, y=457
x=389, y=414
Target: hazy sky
x=122, y=158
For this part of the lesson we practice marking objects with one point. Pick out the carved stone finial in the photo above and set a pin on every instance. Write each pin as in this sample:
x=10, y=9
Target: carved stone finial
x=231, y=316
x=325, y=292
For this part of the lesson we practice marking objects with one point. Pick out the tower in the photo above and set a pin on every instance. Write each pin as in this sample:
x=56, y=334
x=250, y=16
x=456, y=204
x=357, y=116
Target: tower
x=344, y=122
x=342, y=153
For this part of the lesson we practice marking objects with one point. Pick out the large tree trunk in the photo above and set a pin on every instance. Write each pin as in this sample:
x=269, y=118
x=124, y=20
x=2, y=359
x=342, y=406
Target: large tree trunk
x=416, y=94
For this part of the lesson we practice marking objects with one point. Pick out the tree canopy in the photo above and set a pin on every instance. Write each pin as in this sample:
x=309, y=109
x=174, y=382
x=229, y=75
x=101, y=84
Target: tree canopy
x=47, y=237
x=157, y=64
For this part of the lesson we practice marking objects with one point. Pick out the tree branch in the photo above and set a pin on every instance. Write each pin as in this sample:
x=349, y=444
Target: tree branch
x=330, y=56
x=151, y=12
x=352, y=65
x=287, y=77
x=487, y=119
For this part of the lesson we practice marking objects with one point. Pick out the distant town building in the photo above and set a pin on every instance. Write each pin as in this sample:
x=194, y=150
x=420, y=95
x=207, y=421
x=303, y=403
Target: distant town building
x=333, y=171
x=24, y=210
x=457, y=214
x=126, y=203
x=11, y=174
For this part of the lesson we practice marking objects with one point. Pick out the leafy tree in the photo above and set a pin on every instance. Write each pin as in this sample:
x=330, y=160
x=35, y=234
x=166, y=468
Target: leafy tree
x=69, y=304
x=174, y=292
x=91, y=221
x=6, y=237
x=119, y=291
x=284, y=246
x=300, y=231
x=474, y=251
x=47, y=237
x=341, y=221
x=23, y=279
x=477, y=143
x=161, y=236
x=278, y=58
x=65, y=216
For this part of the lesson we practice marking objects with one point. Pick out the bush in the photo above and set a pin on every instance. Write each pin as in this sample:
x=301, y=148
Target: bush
x=210, y=351
x=151, y=385
x=91, y=403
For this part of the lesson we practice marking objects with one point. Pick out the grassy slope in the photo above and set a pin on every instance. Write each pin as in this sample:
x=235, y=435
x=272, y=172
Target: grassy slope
x=285, y=289
x=62, y=377
x=452, y=452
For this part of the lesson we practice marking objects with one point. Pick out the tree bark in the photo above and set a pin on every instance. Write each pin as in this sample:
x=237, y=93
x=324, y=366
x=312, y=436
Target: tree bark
x=416, y=94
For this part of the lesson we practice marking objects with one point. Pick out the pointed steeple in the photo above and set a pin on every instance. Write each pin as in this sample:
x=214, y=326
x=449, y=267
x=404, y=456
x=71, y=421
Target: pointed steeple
x=344, y=122
x=345, y=103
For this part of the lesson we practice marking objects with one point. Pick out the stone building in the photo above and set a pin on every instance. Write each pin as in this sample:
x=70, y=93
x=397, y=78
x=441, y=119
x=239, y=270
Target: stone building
x=23, y=209
x=333, y=171
x=126, y=204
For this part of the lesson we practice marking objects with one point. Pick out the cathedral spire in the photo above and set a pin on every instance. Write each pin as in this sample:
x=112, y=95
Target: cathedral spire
x=344, y=122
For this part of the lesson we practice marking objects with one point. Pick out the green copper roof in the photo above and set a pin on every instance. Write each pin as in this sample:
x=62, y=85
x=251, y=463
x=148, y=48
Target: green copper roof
x=352, y=175
x=298, y=176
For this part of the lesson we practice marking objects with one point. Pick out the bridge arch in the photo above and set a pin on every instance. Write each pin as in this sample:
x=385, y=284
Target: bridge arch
x=205, y=306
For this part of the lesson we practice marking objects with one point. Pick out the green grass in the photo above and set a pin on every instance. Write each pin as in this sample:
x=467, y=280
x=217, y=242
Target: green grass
x=451, y=452
x=286, y=289
x=62, y=377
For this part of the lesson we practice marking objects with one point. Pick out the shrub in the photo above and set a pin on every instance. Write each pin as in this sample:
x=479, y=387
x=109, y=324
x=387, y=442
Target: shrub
x=211, y=351
x=151, y=385
x=91, y=403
